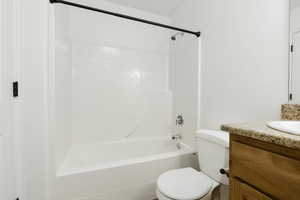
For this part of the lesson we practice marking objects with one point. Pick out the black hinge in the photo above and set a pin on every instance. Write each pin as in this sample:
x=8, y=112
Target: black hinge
x=291, y=96
x=292, y=48
x=15, y=89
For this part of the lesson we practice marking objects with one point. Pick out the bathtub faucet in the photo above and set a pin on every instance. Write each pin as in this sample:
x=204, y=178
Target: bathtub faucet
x=176, y=137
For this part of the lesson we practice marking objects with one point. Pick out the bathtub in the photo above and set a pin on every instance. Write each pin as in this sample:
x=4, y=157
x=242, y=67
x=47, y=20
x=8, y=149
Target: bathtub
x=125, y=169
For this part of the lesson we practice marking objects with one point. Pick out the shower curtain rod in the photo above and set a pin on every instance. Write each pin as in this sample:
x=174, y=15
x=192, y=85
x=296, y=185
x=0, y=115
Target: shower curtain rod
x=125, y=17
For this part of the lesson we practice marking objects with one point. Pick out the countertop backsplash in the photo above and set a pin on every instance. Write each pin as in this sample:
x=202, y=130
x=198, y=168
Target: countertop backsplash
x=290, y=112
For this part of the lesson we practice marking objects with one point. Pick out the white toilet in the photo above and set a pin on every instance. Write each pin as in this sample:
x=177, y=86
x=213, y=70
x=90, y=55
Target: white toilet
x=188, y=183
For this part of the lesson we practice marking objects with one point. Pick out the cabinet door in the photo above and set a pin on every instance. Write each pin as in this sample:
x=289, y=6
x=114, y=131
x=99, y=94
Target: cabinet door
x=266, y=170
x=241, y=191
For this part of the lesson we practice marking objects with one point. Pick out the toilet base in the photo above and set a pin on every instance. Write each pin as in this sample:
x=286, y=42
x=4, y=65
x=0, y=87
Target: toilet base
x=160, y=196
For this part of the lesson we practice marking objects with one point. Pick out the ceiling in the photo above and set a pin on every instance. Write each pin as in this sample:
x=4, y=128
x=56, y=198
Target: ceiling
x=161, y=7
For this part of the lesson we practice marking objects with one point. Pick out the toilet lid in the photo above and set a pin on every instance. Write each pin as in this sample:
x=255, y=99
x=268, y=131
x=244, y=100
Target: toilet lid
x=184, y=184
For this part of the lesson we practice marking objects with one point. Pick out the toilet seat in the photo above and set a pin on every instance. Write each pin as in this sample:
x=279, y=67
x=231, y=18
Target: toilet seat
x=184, y=184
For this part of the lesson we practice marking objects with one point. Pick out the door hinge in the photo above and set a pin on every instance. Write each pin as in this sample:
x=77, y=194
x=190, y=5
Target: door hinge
x=291, y=97
x=292, y=48
x=15, y=89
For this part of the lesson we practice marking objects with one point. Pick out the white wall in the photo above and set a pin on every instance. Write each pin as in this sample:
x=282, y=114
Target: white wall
x=294, y=34
x=244, y=58
x=295, y=20
x=294, y=4
x=7, y=135
x=32, y=55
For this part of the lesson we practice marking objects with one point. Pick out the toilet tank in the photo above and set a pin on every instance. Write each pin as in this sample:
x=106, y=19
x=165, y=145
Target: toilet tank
x=213, y=153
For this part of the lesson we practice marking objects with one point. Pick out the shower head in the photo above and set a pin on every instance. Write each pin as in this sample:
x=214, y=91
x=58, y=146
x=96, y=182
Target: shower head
x=174, y=37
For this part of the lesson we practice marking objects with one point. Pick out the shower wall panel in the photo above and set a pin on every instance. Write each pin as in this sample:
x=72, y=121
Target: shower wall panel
x=116, y=84
x=62, y=84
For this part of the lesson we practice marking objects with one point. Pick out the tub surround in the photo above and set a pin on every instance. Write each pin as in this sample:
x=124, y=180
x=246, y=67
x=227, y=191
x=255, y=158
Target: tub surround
x=290, y=112
x=259, y=131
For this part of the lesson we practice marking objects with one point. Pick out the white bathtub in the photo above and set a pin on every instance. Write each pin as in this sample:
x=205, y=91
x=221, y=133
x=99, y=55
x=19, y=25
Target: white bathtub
x=125, y=170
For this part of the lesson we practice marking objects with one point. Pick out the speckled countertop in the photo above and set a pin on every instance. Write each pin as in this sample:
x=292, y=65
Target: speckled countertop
x=260, y=131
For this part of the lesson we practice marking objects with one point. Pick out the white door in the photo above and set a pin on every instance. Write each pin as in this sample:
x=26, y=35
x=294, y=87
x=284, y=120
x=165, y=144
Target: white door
x=296, y=68
x=7, y=180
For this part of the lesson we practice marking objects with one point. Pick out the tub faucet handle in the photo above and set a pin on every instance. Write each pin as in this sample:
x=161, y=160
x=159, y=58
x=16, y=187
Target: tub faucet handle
x=179, y=120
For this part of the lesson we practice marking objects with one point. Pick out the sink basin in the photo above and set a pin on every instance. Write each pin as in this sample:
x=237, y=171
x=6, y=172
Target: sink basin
x=292, y=127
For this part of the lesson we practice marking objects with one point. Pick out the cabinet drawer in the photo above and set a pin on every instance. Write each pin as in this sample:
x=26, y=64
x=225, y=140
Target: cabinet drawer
x=242, y=191
x=272, y=173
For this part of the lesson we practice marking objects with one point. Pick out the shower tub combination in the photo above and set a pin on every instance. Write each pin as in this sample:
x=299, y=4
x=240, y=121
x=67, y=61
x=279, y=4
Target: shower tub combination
x=114, y=97
x=128, y=169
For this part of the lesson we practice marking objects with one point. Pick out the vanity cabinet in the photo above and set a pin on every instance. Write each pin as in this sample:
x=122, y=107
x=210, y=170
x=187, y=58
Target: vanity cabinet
x=263, y=171
x=242, y=191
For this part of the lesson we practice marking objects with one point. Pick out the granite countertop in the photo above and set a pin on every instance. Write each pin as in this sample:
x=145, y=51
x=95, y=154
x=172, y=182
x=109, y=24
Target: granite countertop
x=260, y=131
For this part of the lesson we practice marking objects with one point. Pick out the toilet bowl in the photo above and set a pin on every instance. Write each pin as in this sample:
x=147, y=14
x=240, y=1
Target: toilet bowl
x=190, y=184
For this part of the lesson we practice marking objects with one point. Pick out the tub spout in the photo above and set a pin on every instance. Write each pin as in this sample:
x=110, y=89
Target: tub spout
x=177, y=137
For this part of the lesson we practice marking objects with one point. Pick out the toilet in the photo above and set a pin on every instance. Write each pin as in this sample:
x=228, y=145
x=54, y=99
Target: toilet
x=190, y=184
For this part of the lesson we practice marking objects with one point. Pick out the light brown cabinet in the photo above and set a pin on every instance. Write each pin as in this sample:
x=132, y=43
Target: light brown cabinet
x=243, y=191
x=263, y=171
